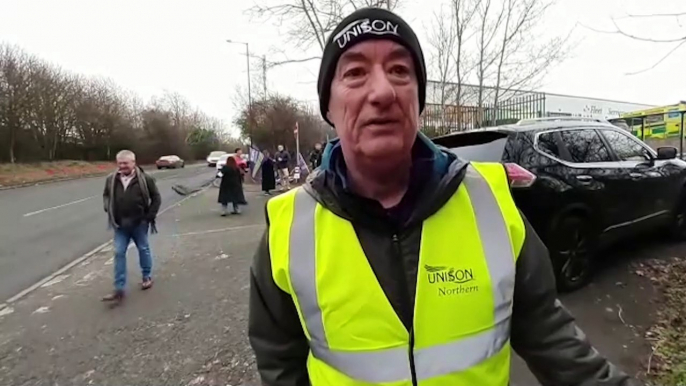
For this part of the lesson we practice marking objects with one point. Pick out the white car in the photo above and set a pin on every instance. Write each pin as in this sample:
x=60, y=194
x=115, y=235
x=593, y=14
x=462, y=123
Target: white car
x=214, y=157
x=221, y=161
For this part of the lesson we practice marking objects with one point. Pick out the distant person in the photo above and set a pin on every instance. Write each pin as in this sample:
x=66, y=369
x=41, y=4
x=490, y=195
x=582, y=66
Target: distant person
x=316, y=156
x=282, y=158
x=268, y=177
x=240, y=162
x=231, y=188
x=131, y=200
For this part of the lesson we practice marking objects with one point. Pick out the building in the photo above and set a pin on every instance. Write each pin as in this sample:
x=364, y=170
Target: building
x=574, y=106
x=452, y=107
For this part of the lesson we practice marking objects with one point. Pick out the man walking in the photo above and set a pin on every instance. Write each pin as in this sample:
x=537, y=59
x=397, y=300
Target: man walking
x=397, y=263
x=131, y=200
x=282, y=157
x=316, y=156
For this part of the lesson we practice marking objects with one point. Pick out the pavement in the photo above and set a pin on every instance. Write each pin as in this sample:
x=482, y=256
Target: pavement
x=44, y=227
x=190, y=329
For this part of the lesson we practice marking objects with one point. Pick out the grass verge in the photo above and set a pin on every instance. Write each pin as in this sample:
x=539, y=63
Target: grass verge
x=21, y=174
x=667, y=363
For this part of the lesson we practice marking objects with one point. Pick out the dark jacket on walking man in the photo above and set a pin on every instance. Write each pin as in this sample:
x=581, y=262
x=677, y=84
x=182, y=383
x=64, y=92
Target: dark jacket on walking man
x=231, y=187
x=398, y=263
x=282, y=158
x=268, y=176
x=131, y=200
x=316, y=156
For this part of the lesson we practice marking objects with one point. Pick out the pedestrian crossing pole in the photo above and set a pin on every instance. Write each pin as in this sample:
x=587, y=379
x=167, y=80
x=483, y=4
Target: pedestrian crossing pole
x=297, y=144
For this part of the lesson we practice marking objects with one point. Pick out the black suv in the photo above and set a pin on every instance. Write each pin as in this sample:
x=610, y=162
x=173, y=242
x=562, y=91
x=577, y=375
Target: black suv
x=583, y=184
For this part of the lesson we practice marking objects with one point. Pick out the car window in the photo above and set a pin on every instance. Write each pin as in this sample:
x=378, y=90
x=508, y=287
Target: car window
x=626, y=148
x=585, y=146
x=486, y=152
x=547, y=144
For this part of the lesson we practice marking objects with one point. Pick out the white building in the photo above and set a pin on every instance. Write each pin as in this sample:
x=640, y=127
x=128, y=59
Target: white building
x=573, y=106
x=453, y=107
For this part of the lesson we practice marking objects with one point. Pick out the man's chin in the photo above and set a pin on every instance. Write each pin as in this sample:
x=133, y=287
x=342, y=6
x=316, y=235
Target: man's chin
x=384, y=155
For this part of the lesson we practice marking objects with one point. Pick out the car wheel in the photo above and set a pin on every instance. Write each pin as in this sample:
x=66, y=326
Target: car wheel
x=159, y=167
x=677, y=227
x=183, y=165
x=571, y=250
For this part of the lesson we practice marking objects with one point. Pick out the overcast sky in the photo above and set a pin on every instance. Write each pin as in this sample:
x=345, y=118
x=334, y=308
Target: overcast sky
x=149, y=46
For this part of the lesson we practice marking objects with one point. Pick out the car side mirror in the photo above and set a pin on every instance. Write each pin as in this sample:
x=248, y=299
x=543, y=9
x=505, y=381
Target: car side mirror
x=666, y=152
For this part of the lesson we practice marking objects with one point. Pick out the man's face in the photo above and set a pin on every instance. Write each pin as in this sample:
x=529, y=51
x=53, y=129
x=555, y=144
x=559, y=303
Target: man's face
x=374, y=103
x=125, y=165
x=239, y=152
x=318, y=146
x=280, y=148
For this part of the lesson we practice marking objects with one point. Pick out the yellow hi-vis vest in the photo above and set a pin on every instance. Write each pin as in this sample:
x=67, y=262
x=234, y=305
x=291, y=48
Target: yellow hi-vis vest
x=463, y=306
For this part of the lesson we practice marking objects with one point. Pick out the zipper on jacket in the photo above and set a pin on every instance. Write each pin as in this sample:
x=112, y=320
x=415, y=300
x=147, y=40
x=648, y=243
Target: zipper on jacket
x=403, y=279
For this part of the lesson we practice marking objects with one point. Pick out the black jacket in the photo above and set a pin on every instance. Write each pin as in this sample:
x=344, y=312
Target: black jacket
x=543, y=332
x=231, y=187
x=130, y=206
x=282, y=158
x=316, y=158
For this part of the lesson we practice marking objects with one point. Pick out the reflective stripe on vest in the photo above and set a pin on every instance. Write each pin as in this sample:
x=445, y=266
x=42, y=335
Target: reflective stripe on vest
x=392, y=365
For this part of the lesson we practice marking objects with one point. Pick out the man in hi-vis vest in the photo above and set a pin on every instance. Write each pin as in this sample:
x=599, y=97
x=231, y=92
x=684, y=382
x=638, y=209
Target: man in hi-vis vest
x=398, y=263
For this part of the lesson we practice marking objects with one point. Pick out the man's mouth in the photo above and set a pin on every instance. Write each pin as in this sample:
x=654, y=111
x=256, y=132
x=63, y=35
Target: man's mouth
x=381, y=122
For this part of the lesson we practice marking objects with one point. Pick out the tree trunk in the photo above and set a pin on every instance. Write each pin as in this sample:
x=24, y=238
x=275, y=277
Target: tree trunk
x=12, y=144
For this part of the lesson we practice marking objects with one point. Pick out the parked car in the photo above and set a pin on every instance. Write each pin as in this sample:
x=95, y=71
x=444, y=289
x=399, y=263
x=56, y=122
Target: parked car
x=169, y=162
x=583, y=185
x=214, y=157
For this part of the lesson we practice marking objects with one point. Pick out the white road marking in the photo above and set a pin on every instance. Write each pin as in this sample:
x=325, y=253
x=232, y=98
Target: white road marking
x=58, y=206
x=217, y=230
x=79, y=260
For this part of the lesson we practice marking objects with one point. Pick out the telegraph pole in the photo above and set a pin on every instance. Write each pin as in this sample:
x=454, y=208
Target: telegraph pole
x=264, y=74
x=247, y=58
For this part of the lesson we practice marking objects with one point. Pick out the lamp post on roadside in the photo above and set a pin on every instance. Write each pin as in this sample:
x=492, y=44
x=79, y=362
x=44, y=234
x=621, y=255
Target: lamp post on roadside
x=247, y=58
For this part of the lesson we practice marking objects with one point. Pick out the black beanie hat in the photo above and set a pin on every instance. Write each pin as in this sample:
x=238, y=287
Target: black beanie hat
x=361, y=25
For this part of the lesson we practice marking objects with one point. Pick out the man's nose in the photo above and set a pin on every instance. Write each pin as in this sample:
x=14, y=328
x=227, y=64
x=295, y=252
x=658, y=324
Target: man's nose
x=382, y=92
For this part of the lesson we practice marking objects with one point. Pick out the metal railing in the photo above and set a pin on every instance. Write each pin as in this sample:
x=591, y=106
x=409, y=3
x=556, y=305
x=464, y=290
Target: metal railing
x=452, y=108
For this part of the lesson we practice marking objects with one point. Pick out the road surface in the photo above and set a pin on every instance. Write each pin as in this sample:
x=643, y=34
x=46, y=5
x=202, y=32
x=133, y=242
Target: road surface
x=44, y=227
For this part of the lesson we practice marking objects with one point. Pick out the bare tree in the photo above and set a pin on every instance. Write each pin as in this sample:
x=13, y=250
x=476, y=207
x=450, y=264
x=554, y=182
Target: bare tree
x=308, y=23
x=497, y=49
x=442, y=39
x=675, y=42
x=520, y=62
x=48, y=114
x=490, y=21
x=14, y=94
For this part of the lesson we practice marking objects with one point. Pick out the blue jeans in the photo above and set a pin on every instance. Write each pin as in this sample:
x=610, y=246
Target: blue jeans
x=122, y=237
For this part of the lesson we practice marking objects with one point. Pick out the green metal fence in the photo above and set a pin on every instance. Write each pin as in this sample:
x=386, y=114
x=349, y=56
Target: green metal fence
x=451, y=107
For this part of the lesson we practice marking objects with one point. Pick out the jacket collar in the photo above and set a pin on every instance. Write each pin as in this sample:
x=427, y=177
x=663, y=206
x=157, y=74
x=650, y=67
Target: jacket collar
x=425, y=156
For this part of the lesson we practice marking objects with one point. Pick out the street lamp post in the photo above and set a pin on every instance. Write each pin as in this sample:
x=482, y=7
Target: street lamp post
x=247, y=59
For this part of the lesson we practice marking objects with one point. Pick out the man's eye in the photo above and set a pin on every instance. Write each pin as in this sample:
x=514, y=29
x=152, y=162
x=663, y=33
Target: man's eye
x=354, y=73
x=400, y=70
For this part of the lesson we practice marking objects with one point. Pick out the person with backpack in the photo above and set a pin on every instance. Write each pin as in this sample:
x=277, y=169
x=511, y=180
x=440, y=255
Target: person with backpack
x=131, y=200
